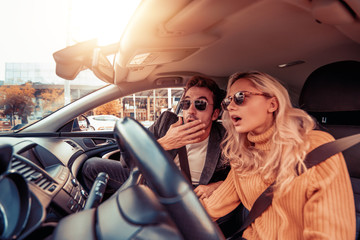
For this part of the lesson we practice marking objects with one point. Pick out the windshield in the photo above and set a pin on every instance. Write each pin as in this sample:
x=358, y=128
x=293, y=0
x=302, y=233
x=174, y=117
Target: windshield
x=32, y=31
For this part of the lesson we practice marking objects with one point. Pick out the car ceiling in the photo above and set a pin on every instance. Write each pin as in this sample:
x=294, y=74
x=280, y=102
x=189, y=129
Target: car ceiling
x=218, y=38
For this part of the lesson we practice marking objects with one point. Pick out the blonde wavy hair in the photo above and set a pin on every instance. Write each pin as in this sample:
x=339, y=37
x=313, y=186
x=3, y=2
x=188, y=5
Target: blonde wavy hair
x=289, y=143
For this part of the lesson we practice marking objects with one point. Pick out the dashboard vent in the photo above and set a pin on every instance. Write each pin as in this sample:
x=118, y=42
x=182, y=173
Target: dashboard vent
x=30, y=173
x=72, y=144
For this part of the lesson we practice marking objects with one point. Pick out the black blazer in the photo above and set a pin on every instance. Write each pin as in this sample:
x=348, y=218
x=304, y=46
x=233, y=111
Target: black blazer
x=215, y=168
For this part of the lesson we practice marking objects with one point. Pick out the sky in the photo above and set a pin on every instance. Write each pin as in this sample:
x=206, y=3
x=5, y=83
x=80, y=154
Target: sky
x=32, y=30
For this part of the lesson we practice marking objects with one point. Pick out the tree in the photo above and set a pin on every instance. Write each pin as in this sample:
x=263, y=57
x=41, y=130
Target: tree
x=17, y=100
x=52, y=99
x=110, y=108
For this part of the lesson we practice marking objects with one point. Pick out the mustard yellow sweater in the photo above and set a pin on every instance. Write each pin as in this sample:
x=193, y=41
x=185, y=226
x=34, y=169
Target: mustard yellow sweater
x=320, y=204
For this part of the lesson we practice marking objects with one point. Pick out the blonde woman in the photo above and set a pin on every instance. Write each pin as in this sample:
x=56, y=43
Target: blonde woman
x=266, y=141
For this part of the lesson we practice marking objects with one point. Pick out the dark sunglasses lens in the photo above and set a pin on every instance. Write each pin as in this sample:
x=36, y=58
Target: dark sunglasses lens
x=200, y=105
x=239, y=98
x=185, y=104
x=225, y=103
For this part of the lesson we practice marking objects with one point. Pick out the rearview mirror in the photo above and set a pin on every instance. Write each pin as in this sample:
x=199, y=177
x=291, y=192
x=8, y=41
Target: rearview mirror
x=85, y=55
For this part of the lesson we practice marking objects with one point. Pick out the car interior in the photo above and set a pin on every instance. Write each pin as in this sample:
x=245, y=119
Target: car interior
x=311, y=46
x=335, y=105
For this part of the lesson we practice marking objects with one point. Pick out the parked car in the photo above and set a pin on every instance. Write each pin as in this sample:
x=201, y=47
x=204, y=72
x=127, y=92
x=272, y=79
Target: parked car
x=5, y=124
x=102, y=122
x=18, y=126
x=164, y=44
x=147, y=124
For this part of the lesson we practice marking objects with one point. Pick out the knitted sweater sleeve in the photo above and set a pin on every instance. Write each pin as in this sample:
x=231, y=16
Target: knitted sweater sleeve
x=224, y=199
x=329, y=212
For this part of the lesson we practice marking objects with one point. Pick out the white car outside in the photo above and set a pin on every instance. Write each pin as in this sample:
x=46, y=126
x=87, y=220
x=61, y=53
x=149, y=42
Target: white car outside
x=147, y=124
x=102, y=122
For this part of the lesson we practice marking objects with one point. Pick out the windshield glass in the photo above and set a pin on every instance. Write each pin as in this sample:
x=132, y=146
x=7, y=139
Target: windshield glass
x=32, y=31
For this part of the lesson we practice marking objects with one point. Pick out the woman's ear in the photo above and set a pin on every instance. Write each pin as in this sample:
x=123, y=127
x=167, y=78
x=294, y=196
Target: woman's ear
x=274, y=105
x=215, y=114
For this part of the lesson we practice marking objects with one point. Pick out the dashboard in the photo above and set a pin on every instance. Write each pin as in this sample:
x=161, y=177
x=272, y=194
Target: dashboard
x=49, y=176
x=41, y=180
x=47, y=167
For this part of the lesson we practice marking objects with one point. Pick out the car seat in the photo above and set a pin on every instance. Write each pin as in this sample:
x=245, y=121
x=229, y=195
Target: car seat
x=331, y=94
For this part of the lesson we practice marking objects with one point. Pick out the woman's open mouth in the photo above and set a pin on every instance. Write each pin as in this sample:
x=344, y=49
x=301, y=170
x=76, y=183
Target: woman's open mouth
x=235, y=119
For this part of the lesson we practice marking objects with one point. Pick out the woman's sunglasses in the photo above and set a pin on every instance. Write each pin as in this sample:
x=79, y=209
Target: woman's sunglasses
x=199, y=104
x=239, y=98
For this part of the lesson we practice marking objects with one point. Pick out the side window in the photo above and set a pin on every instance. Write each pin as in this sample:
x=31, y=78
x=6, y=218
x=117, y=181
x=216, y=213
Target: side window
x=144, y=106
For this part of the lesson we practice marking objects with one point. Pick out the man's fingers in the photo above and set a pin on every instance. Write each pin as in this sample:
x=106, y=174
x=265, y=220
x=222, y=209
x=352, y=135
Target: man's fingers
x=194, y=135
x=194, y=129
x=186, y=130
x=180, y=134
x=178, y=123
x=190, y=125
x=198, y=189
x=204, y=195
x=199, y=194
x=192, y=138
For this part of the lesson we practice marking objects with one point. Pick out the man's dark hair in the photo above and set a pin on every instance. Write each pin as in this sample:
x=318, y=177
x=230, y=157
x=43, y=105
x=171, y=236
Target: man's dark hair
x=206, y=82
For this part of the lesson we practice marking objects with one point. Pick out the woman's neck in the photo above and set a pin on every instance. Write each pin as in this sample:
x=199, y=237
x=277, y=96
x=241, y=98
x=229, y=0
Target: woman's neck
x=262, y=141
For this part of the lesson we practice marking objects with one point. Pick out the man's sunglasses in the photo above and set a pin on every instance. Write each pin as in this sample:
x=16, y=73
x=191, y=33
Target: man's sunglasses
x=199, y=104
x=239, y=98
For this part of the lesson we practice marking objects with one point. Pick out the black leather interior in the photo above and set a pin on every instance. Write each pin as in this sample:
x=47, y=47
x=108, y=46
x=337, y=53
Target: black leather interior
x=133, y=213
x=5, y=157
x=331, y=94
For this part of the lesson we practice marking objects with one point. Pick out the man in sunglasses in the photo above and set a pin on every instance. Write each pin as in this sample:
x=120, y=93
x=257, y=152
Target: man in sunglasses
x=192, y=140
x=196, y=134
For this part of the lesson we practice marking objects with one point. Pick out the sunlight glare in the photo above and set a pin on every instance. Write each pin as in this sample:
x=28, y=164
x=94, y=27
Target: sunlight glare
x=104, y=20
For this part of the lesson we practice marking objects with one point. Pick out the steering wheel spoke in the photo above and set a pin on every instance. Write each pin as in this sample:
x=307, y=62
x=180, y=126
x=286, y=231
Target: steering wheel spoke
x=161, y=173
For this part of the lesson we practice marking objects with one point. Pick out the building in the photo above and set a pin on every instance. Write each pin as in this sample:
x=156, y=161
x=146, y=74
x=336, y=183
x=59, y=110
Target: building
x=143, y=106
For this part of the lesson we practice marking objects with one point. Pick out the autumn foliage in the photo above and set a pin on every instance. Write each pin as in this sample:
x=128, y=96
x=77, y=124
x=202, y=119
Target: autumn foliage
x=17, y=100
x=110, y=108
x=24, y=100
x=52, y=99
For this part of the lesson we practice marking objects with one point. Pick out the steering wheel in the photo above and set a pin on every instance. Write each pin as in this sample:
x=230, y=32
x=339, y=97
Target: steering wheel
x=161, y=173
x=15, y=199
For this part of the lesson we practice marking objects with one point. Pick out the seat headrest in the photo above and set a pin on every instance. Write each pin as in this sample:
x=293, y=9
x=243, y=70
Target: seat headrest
x=334, y=87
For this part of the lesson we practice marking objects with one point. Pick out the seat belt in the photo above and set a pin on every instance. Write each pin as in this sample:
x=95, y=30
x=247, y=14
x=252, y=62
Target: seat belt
x=313, y=158
x=184, y=163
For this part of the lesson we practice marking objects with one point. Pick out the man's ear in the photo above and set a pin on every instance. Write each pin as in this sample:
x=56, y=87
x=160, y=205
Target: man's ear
x=274, y=105
x=215, y=114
